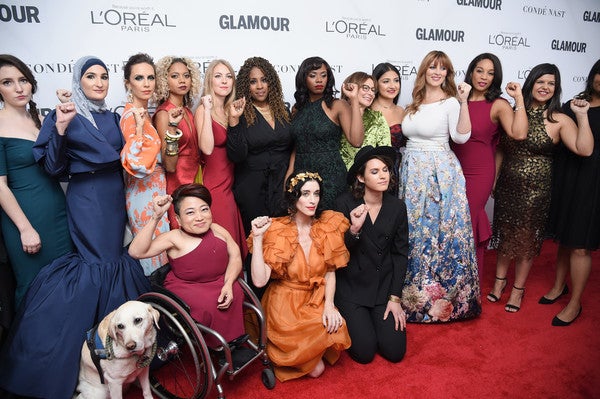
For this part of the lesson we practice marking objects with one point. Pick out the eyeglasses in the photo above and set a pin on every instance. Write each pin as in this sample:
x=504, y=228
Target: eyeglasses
x=367, y=88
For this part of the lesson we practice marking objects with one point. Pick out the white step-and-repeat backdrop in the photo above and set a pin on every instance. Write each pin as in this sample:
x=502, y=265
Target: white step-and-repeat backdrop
x=351, y=35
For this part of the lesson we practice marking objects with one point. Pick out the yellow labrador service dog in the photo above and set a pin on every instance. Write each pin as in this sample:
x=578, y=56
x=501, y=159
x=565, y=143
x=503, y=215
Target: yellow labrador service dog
x=118, y=351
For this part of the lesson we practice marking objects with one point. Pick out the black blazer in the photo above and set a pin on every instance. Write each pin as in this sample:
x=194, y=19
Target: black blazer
x=378, y=259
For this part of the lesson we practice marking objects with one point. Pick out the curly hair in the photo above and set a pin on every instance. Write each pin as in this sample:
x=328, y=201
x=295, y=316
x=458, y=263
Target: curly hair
x=162, y=83
x=294, y=191
x=494, y=91
x=208, y=86
x=537, y=72
x=382, y=68
x=11, y=60
x=302, y=95
x=275, y=93
x=435, y=58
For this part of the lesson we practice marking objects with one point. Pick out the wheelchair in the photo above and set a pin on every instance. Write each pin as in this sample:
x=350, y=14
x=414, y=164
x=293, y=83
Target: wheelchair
x=184, y=366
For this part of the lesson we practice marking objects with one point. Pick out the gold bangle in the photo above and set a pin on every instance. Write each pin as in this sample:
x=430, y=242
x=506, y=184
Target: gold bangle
x=394, y=298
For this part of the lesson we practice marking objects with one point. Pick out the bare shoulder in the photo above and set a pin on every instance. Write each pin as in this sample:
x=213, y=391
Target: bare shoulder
x=220, y=232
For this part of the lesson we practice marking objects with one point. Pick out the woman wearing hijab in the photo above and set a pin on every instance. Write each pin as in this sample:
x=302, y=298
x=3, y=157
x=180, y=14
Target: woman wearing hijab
x=81, y=141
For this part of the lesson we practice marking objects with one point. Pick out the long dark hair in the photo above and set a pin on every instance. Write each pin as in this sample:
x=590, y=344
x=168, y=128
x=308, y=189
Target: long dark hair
x=11, y=60
x=293, y=190
x=589, y=85
x=382, y=68
x=535, y=73
x=301, y=95
x=495, y=89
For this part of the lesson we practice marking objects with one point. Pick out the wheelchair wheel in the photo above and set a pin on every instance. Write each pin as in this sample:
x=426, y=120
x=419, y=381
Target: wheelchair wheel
x=268, y=378
x=182, y=368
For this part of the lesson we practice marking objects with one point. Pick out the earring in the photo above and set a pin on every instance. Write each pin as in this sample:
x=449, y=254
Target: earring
x=129, y=96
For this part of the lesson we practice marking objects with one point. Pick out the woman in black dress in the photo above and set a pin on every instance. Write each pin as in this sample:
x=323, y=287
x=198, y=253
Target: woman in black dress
x=575, y=209
x=258, y=140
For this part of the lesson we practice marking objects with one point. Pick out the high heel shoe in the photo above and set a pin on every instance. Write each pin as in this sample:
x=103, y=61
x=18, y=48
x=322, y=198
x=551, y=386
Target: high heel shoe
x=493, y=298
x=556, y=322
x=546, y=301
x=510, y=308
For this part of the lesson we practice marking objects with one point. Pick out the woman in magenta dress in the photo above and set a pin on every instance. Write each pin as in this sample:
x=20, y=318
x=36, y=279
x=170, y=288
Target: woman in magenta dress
x=219, y=86
x=489, y=114
x=177, y=83
x=208, y=286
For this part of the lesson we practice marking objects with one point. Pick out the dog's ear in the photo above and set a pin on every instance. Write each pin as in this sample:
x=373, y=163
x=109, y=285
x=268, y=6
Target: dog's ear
x=155, y=315
x=112, y=327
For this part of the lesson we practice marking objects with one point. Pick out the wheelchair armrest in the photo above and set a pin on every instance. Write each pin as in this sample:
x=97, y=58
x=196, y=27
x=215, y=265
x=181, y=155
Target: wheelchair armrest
x=157, y=278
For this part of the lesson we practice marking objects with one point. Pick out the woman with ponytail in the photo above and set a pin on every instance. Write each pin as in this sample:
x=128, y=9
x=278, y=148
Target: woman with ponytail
x=34, y=219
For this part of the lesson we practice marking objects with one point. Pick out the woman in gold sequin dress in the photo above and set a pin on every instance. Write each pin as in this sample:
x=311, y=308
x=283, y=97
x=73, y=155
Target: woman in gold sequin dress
x=524, y=181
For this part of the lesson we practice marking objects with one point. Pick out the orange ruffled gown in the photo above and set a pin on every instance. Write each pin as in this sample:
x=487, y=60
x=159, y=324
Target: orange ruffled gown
x=294, y=299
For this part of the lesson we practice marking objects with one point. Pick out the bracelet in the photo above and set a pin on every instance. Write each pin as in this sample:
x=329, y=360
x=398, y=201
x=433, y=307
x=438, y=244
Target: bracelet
x=518, y=108
x=172, y=141
x=394, y=298
x=173, y=124
x=355, y=236
x=463, y=102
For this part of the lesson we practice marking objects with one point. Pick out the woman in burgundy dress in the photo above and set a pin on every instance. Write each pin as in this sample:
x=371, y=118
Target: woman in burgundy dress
x=205, y=260
x=489, y=114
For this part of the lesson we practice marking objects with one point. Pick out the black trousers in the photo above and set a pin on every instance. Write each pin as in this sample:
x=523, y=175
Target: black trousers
x=371, y=334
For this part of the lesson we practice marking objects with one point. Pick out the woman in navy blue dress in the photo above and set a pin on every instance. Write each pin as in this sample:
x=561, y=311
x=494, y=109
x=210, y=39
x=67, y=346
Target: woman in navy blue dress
x=81, y=141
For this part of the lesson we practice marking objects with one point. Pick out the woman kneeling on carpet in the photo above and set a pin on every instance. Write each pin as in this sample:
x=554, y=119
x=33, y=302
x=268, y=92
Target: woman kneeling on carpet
x=208, y=286
x=301, y=252
x=369, y=289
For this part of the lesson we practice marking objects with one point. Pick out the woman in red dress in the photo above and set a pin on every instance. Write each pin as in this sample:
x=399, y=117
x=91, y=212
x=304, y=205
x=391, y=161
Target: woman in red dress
x=177, y=83
x=489, y=114
x=219, y=86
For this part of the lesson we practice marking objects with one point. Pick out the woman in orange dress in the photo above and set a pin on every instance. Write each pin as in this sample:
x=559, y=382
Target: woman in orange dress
x=141, y=155
x=300, y=253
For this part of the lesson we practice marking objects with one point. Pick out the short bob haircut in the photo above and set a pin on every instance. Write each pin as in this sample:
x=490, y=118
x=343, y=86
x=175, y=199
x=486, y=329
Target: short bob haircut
x=291, y=197
x=190, y=190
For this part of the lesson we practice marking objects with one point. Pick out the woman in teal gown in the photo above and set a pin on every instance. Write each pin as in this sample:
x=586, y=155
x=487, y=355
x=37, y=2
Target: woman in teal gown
x=34, y=218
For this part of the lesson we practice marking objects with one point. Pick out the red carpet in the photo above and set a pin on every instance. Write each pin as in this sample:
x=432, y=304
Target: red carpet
x=498, y=355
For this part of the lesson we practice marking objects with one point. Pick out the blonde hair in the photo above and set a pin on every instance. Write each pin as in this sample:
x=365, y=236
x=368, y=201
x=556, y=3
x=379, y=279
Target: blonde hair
x=162, y=82
x=449, y=87
x=208, y=86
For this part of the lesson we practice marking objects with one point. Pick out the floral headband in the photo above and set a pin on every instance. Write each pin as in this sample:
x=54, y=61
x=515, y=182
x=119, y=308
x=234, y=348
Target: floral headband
x=302, y=177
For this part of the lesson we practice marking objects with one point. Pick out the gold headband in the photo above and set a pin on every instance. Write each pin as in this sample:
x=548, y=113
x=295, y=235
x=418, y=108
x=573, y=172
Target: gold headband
x=302, y=177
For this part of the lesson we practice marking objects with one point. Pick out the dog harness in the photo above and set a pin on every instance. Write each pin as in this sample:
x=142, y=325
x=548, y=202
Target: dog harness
x=99, y=352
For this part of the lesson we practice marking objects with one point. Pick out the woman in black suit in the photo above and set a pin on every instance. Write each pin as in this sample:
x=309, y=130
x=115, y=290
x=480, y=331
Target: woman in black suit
x=369, y=290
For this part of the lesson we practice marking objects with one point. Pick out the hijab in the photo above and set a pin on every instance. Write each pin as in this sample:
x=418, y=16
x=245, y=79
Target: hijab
x=83, y=105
